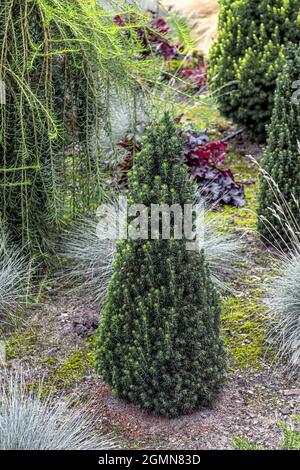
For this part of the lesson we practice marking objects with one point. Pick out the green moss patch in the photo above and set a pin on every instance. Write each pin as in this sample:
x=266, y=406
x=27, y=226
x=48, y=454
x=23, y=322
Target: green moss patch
x=21, y=343
x=203, y=115
x=243, y=328
x=73, y=369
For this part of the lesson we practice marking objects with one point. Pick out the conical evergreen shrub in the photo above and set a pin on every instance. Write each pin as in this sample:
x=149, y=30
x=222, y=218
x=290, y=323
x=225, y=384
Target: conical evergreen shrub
x=248, y=55
x=158, y=343
x=281, y=162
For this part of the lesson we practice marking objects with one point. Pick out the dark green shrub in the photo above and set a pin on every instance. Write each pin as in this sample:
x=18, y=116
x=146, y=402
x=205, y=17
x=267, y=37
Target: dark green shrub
x=158, y=342
x=249, y=50
x=281, y=159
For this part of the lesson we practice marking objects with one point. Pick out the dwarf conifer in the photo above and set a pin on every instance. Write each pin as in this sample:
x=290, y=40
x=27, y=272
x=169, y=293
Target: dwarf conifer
x=248, y=55
x=158, y=343
x=281, y=159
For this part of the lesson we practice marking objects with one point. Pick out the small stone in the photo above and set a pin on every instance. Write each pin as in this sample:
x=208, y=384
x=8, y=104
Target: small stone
x=295, y=392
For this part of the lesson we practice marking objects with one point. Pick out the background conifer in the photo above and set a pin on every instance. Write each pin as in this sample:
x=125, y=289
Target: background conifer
x=281, y=159
x=248, y=55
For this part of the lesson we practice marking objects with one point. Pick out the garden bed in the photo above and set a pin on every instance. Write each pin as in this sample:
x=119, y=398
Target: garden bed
x=56, y=341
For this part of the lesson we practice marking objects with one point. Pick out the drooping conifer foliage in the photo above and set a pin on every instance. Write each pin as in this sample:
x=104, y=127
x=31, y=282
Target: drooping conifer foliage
x=158, y=343
x=248, y=55
x=281, y=161
x=58, y=61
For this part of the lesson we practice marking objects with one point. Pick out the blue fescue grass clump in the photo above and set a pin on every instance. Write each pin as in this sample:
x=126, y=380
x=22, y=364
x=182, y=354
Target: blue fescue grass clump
x=30, y=422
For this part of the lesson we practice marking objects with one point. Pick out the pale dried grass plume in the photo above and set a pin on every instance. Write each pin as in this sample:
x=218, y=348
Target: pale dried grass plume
x=202, y=16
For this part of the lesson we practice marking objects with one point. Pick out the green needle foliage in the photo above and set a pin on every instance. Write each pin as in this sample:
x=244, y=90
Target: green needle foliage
x=158, y=343
x=248, y=55
x=281, y=161
x=59, y=60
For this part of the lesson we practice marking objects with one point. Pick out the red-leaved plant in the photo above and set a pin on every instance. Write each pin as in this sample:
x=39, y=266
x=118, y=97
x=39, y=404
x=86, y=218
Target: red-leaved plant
x=155, y=40
x=206, y=162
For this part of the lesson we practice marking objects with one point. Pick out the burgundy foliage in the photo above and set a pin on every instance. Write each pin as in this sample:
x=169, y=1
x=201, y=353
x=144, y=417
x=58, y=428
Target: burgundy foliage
x=206, y=162
x=155, y=40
